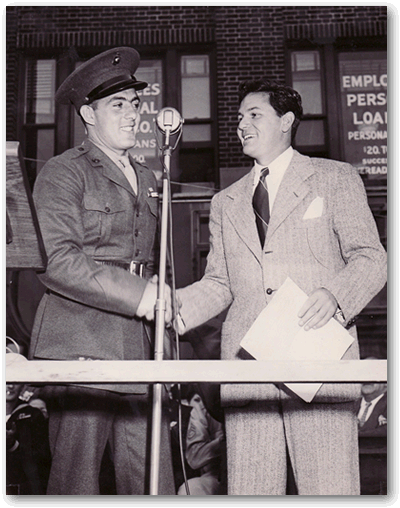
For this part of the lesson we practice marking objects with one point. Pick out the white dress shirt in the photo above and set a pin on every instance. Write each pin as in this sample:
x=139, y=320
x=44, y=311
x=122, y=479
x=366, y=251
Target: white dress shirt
x=371, y=407
x=277, y=169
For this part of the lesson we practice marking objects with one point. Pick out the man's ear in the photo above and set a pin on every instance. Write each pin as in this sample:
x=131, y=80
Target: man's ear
x=87, y=113
x=287, y=121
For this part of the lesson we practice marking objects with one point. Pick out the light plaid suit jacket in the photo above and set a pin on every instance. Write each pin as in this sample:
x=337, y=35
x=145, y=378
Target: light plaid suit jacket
x=339, y=250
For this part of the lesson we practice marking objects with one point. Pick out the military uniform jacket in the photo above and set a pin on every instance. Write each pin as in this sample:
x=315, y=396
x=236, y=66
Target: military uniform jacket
x=88, y=212
x=338, y=249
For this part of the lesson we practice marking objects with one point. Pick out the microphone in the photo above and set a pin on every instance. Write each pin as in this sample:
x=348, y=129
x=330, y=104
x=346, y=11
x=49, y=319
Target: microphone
x=169, y=121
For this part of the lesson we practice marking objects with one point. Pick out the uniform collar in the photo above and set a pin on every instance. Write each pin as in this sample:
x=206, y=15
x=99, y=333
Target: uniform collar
x=110, y=153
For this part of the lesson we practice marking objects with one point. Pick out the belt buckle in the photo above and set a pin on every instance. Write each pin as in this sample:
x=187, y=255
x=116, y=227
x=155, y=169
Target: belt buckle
x=136, y=268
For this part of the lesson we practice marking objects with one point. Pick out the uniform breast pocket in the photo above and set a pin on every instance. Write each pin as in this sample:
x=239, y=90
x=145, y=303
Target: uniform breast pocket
x=148, y=219
x=104, y=217
x=153, y=206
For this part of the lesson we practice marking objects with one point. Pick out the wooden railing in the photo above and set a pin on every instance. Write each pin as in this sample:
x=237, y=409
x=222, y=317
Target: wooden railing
x=19, y=370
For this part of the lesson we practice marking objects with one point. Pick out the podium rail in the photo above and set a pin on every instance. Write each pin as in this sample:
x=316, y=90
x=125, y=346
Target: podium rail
x=20, y=370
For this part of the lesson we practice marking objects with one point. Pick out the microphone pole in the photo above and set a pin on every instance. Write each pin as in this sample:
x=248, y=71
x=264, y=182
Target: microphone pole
x=169, y=122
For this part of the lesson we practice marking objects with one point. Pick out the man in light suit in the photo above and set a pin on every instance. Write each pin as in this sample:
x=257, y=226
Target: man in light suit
x=320, y=232
x=98, y=211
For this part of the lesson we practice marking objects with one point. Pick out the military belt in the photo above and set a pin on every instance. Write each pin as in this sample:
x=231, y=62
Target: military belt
x=134, y=267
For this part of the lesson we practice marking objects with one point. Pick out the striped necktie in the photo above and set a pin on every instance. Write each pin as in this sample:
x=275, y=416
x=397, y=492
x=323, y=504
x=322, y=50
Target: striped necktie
x=261, y=205
x=363, y=417
x=129, y=172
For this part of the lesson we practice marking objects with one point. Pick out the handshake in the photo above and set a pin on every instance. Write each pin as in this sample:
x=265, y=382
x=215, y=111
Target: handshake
x=147, y=305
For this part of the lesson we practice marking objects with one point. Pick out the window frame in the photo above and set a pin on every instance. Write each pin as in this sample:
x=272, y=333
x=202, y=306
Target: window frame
x=29, y=130
x=312, y=150
x=172, y=93
x=187, y=147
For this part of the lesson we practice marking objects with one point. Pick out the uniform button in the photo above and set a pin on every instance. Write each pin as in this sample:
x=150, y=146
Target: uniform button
x=81, y=148
x=136, y=232
x=95, y=161
x=137, y=252
x=269, y=291
x=107, y=209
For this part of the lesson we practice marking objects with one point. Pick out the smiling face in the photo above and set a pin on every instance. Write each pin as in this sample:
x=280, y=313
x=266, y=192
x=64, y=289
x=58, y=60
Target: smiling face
x=12, y=391
x=114, y=120
x=372, y=390
x=264, y=135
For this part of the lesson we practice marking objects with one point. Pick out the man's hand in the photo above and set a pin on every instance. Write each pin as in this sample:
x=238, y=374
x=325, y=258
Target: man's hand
x=320, y=306
x=146, y=308
x=179, y=325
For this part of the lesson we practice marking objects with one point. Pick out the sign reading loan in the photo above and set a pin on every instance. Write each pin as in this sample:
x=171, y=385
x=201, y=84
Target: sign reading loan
x=363, y=85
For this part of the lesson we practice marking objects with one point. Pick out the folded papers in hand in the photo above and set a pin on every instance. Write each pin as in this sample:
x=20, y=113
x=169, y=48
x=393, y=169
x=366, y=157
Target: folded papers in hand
x=277, y=335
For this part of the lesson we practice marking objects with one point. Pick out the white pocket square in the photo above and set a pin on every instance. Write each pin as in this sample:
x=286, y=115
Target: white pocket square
x=315, y=209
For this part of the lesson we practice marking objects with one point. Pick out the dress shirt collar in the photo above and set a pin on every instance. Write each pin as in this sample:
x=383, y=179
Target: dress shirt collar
x=371, y=407
x=373, y=401
x=277, y=167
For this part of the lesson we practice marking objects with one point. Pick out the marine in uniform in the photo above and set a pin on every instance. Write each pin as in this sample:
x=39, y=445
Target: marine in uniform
x=98, y=213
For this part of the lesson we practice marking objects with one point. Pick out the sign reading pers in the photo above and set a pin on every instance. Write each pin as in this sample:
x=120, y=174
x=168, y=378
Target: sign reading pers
x=363, y=86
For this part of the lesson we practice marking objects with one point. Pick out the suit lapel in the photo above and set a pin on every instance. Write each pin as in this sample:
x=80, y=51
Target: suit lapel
x=291, y=192
x=239, y=209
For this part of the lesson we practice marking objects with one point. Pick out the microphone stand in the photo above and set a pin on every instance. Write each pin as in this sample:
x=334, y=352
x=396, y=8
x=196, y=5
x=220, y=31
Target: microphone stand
x=160, y=319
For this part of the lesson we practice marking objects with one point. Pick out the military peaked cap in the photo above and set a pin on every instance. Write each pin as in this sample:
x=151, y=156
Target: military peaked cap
x=103, y=75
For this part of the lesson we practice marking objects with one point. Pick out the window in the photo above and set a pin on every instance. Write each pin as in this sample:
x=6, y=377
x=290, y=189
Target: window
x=200, y=241
x=39, y=121
x=197, y=152
x=307, y=80
x=40, y=89
x=195, y=76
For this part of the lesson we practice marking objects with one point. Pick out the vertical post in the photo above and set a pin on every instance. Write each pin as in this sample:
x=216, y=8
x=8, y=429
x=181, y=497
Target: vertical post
x=160, y=328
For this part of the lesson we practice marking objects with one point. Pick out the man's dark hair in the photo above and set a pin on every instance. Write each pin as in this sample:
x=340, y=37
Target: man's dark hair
x=281, y=97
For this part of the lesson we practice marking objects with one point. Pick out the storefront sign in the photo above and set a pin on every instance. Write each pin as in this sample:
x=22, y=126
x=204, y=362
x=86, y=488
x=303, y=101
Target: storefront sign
x=363, y=85
x=146, y=150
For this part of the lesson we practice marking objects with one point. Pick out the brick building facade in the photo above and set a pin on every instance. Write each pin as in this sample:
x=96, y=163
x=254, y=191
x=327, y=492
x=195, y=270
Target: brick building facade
x=248, y=42
x=305, y=44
